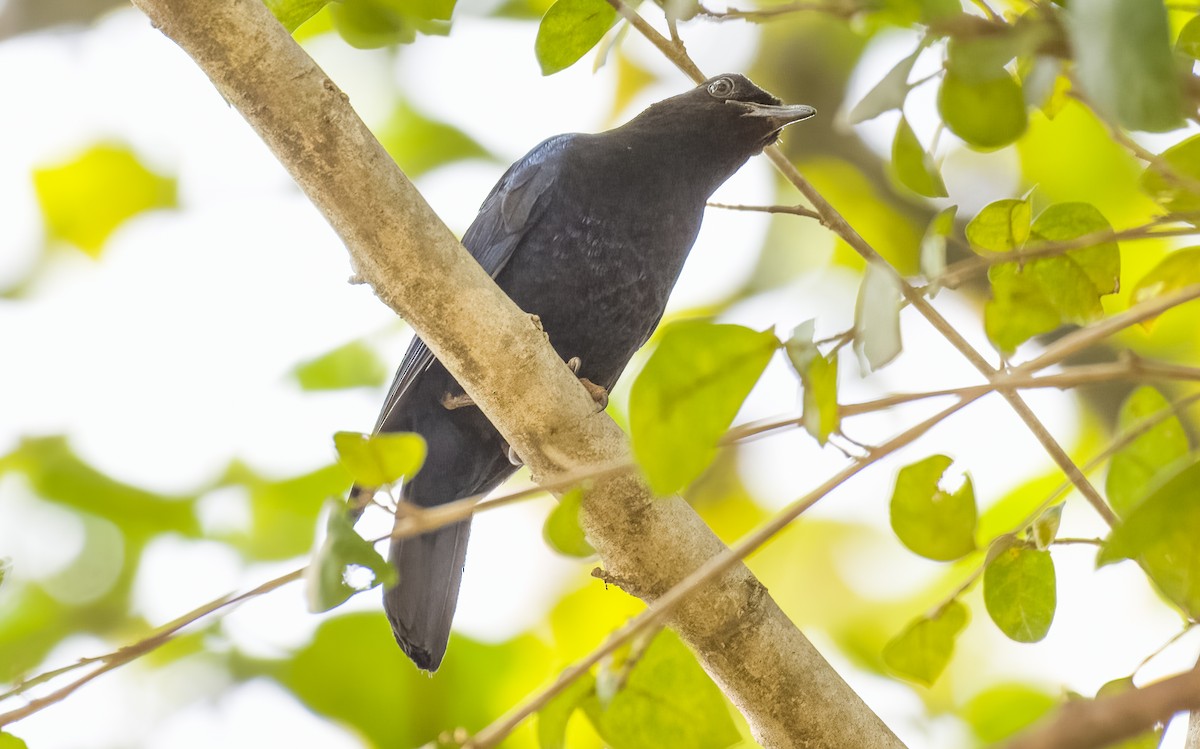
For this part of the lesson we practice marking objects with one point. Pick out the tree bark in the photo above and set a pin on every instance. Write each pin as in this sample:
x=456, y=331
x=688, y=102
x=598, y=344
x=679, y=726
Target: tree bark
x=788, y=693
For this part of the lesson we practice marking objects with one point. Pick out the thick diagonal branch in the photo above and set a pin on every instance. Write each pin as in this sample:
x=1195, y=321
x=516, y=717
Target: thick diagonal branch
x=789, y=694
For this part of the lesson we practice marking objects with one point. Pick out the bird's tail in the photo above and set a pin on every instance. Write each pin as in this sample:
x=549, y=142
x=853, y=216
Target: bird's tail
x=420, y=606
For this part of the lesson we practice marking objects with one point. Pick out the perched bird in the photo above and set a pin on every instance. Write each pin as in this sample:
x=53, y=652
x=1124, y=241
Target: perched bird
x=589, y=233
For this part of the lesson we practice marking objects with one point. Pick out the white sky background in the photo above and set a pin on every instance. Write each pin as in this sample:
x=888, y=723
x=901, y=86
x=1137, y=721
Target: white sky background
x=170, y=356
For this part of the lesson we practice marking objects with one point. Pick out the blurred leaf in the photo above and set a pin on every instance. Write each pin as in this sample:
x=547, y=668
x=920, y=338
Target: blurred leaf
x=1045, y=527
x=5, y=568
x=985, y=114
x=1135, y=468
x=920, y=653
x=1188, y=42
x=1019, y=592
x=928, y=520
x=819, y=378
x=380, y=459
x=353, y=365
x=353, y=673
x=8, y=741
x=1163, y=535
x=1002, y=711
x=552, y=719
x=292, y=13
x=1124, y=64
x=1040, y=294
x=914, y=167
x=569, y=29
x=562, y=530
x=1002, y=226
x=342, y=548
x=419, y=144
x=1178, y=269
x=877, y=318
x=888, y=94
x=666, y=700
x=85, y=199
x=933, y=247
x=688, y=394
x=1174, y=181
x=367, y=24
x=283, y=512
x=1146, y=740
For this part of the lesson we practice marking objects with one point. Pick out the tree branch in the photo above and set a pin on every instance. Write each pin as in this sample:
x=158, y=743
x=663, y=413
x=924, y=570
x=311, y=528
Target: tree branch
x=788, y=693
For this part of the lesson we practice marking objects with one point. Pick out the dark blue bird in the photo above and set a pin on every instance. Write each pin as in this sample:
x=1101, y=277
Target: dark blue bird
x=588, y=232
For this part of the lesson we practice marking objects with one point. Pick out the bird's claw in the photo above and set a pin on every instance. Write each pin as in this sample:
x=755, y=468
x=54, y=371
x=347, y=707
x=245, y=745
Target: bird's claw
x=598, y=393
x=512, y=455
x=574, y=363
x=451, y=402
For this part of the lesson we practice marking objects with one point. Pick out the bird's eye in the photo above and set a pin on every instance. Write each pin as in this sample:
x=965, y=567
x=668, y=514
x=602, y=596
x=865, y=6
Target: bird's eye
x=721, y=88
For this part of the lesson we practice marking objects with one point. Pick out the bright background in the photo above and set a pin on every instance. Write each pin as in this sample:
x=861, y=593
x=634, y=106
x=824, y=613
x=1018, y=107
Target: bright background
x=161, y=450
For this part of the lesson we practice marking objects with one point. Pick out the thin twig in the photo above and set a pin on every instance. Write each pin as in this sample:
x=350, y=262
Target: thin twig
x=795, y=210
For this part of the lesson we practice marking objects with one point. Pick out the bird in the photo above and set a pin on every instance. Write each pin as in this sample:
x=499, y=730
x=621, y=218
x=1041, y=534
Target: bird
x=588, y=233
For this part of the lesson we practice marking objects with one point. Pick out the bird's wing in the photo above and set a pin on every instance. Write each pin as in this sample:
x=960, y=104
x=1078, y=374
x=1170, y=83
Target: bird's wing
x=510, y=209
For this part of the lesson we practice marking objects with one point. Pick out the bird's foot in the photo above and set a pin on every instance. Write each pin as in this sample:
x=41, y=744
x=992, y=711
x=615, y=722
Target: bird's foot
x=512, y=455
x=537, y=322
x=451, y=402
x=598, y=393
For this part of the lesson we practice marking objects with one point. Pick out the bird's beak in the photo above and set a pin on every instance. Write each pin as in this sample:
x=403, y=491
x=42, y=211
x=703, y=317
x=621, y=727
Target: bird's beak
x=778, y=115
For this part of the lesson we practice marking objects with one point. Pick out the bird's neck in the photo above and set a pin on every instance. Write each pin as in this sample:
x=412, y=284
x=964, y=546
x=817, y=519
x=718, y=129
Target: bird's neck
x=660, y=164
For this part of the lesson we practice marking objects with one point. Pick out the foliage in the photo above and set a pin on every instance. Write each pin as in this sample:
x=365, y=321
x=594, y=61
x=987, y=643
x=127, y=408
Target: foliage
x=998, y=155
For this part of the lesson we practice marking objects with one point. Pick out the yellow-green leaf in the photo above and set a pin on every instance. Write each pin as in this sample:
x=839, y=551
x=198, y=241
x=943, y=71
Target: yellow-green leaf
x=1174, y=181
x=888, y=94
x=1002, y=226
x=665, y=700
x=380, y=459
x=920, y=653
x=1045, y=527
x=1145, y=740
x=562, y=530
x=342, y=549
x=552, y=719
x=85, y=199
x=569, y=29
x=8, y=741
x=1188, y=42
x=292, y=13
x=986, y=114
x=353, y=365
x=1020, y=592
x=688, y=394
x=1004, y=710
x=1136, y=468
x=929, y=520
x=913, y=165
x=818, y=375
x=419, y=144
x=1163, y=534
x=1178, y=269
x=933, y=247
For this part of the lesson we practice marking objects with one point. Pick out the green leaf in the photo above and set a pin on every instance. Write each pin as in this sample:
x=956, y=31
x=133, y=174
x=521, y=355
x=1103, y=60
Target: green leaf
x=1041, y=294
x=818, y=375
x=920, y=653
x=888, y=94
x=688, y=394
x=1002, y=226
x=380, y=459
x=914, y=167
x=562, y=530
x=1045, y=527
x=292, y=13
x=1174, y=181
x=928, y=520
x=1145, y=740
x=86, y=199
x=666, y=700
x=933, y=247
x=877, y=318
x=342, y=548
x=569, y=29
x=368, y=24
x=1163, y=535
x=353, y=365
x=8, y=741
x=1124, y=64
x=552, y=719
x=1137, y=467
x=1002, y=711
x=985, y=114
x=419, y=144
x=1188, y=43
x=1019, y=592
x=1178, y=269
